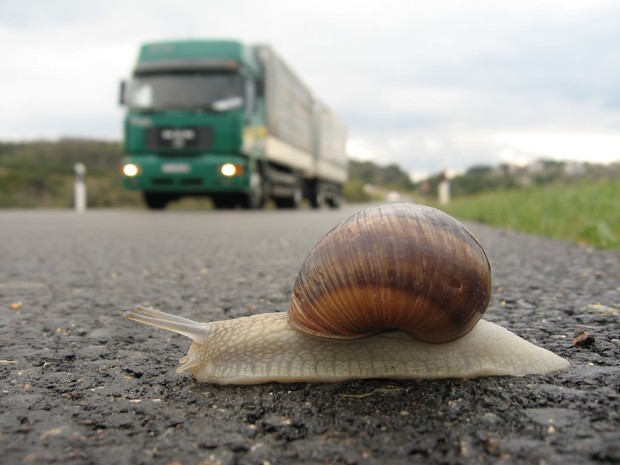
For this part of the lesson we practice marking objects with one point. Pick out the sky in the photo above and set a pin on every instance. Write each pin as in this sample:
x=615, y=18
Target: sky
x=428, y=85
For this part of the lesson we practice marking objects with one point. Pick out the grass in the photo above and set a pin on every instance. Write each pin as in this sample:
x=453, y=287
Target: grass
x=585, y=213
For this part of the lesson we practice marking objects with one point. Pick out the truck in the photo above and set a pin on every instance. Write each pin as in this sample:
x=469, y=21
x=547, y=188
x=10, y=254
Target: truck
x=231, y=121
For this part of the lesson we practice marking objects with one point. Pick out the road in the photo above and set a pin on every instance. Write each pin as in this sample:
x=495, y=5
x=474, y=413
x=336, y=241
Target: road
x=80, y=385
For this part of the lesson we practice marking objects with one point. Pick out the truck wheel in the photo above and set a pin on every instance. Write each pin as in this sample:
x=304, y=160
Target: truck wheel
x=298, y=196
x=255, y=199
x=335, y=201
x=318, y=196
x=294, y=201
x=224, y=202
x=155, y=200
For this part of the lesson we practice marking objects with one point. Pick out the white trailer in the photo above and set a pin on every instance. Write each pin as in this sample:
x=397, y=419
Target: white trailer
x=305, y=142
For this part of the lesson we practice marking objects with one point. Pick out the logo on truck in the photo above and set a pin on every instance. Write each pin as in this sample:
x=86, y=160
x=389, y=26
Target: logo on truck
x=178, y=137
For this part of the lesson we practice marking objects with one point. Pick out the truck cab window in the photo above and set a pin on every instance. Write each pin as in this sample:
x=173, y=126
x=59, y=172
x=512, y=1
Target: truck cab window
x=141, y=95
x=192, y=91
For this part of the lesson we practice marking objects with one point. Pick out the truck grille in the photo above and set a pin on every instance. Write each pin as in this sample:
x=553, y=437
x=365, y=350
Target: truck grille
x=162, y=181
x=179, y=138
x=181, y=182
x=191, y=182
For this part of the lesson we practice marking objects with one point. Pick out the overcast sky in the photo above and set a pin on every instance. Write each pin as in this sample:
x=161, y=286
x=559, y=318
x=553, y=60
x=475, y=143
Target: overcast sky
x=430, y=85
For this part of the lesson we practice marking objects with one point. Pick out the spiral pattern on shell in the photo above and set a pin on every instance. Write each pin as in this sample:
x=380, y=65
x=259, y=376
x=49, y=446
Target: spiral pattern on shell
x=396, y=266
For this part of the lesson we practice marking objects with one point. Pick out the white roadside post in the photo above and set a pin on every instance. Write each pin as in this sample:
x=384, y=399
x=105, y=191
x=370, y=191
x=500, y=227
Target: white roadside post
x=444, y=189
x=79, y=190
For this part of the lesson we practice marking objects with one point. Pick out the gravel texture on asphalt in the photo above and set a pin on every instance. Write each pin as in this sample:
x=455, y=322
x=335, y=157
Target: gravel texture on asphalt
x=80, y=385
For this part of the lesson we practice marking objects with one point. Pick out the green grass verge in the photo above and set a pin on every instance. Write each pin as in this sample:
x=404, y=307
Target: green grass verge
x=585, y=213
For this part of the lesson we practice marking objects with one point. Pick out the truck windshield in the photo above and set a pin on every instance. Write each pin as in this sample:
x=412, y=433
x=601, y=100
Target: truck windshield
x=209, y=92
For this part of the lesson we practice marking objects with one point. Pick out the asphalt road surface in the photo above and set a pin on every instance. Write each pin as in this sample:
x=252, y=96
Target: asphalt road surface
x=80, y=385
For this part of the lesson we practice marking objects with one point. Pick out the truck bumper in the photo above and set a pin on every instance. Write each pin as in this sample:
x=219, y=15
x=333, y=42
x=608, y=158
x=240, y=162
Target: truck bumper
x=202, y=174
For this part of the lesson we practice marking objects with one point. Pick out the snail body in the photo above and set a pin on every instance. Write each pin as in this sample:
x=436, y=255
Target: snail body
x=394, y=292
x=264, y=348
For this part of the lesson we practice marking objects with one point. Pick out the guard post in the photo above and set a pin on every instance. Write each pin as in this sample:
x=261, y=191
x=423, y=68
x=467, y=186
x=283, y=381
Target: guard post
x=79, y=190
x=444, y=189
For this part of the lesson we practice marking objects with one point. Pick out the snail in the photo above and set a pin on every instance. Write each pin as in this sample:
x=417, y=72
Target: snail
x=396, y=291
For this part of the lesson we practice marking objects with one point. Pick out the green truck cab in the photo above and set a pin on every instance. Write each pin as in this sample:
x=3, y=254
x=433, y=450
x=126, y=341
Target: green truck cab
x=229, y=121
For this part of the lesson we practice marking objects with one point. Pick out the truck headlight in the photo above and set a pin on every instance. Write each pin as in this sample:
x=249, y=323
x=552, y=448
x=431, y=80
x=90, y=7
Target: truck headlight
x=229, y=169
x=130, y=170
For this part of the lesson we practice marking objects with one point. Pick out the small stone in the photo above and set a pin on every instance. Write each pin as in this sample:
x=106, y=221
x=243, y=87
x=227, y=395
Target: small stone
x=582, y=338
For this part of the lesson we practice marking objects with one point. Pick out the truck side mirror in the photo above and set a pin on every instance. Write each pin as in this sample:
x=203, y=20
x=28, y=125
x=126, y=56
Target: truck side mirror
x=121, y=93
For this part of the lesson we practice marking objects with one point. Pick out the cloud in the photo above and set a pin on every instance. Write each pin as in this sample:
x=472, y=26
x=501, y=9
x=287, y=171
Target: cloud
x=428, y=85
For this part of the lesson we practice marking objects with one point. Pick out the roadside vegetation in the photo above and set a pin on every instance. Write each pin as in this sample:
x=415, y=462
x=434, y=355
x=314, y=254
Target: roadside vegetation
x=575, y=202
x=585, y=212
x=578, y=202
x=40, y=174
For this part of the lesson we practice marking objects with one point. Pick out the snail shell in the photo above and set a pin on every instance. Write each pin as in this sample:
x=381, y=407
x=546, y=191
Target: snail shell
x=399, y=266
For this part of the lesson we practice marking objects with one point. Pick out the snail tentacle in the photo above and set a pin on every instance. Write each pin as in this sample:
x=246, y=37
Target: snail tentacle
x=197, y=332
x=187, y=363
